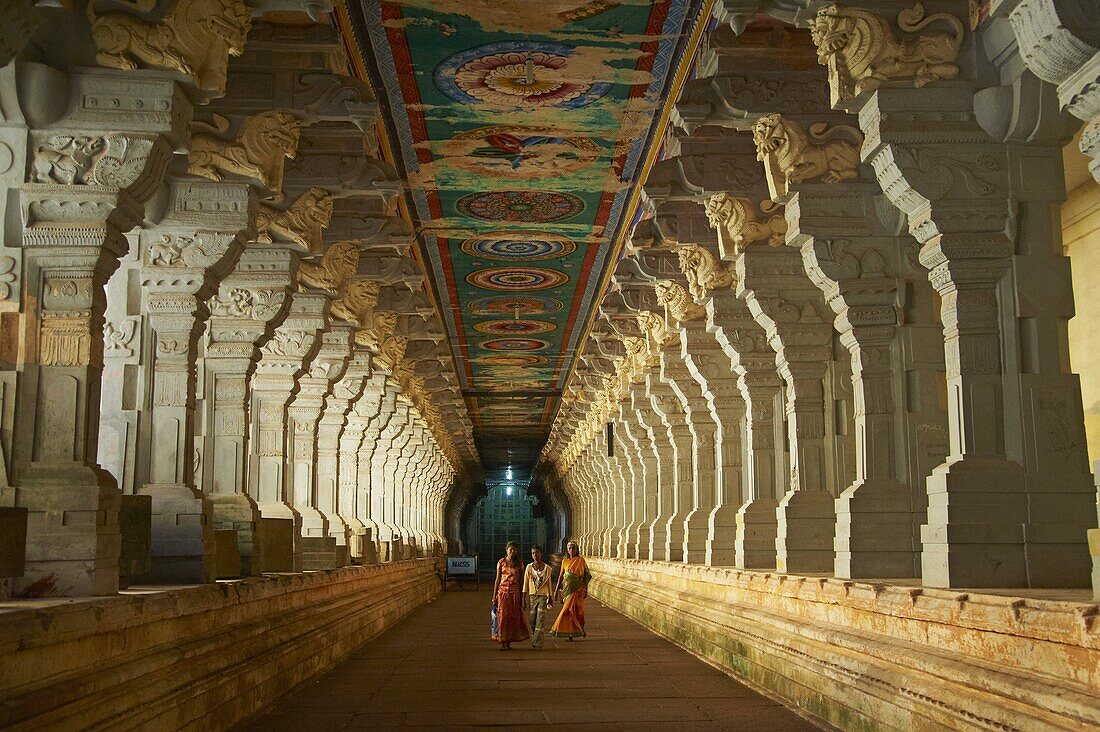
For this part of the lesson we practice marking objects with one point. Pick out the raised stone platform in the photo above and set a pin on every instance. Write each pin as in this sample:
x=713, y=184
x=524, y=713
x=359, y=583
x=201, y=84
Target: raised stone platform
x=193, y=657
x=869, y=655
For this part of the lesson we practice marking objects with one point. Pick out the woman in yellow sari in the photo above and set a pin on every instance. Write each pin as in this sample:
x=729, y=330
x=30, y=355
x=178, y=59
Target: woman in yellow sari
x=573, y=588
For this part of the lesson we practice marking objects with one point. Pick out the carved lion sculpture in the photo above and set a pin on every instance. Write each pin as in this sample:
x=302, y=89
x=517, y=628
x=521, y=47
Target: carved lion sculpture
x=65, y=159
x=655, y=328
x=677, y=301
x=391, y=351
x=376, y=330
x=791, y=154
x=739, y=224
x=302, y=222
x=703, y=271
x=638, y=355
x=336, y=266
x=862, y=52
x=357, y=301
x=194, y=37
x=264, y=142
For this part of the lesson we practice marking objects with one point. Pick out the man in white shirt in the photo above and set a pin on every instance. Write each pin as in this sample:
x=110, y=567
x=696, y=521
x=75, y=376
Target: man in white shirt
x=537, y=588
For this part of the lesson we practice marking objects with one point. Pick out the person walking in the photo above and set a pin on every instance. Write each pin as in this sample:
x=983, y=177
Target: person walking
x=508, y=599
x=573, y=589
x=537, y=589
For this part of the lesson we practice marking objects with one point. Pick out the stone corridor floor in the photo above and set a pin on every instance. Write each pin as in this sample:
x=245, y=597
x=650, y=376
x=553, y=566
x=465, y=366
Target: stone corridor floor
x=438, y=669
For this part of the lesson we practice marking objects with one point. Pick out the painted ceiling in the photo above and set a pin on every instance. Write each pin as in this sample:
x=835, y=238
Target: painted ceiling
x=524, y=128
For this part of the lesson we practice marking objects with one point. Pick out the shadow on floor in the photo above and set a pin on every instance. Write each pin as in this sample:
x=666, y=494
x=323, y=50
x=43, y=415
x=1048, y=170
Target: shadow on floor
x=438, y=669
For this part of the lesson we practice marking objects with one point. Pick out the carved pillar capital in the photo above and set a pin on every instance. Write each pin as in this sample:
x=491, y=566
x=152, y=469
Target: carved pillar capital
x=1058, y=42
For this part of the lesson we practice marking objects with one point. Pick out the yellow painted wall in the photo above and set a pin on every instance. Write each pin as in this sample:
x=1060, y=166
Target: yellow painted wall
x=1081, y=238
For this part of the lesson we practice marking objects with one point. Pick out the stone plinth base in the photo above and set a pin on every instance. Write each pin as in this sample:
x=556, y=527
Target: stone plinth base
x=861, y=655
x=239, y=513
x=13, y=542
x=696, y=536
x=226, y=554
x=135, y=523
x=183, y=534
x=319, y=552
x=805, y=522
x=876, y=532
x=73, y=542
x=754, y=537
x=277, y=544
x=204, y=657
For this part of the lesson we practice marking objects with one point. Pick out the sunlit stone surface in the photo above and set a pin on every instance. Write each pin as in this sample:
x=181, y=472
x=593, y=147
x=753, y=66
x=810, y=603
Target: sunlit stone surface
x=767, y=305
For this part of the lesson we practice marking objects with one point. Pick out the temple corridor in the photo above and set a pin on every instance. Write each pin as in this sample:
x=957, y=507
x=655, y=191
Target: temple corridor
x=774, y=323
x=436, y=669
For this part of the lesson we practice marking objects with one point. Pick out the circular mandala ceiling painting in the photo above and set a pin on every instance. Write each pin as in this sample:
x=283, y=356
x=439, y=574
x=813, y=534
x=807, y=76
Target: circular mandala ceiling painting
x=520, y=153
x=531, y=207
x=519, y=245
x=513, y=360
x=517, y=278
x=515, y=305
x=514, y=327
x=515, y=344
x=517, y=74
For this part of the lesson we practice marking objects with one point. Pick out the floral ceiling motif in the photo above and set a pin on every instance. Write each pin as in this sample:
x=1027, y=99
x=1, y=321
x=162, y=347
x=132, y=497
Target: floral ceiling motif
x=523, y=129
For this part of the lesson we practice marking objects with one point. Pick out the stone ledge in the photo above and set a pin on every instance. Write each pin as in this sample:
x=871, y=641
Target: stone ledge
x=204, y=657
x=863, y=655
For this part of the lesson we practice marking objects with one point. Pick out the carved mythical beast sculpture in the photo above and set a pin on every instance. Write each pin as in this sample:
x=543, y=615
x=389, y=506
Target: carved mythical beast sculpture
x=703, y=270
x=739, y=223
x=357, y=301
x=791, y=154
x=264, y=142
x=65, y=159
x=195, y=37
x=862, y=52
x=376, y=330
x=655, y=329
x=113, y=160
x=391, y=351
x=677, y=301
x=302, y=222
x=337, y=265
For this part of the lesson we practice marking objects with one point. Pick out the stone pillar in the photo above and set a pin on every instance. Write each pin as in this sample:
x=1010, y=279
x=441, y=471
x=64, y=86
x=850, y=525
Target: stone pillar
x=668, y=409
x=1012, y=503
x=370, y=458
x=122, y=392
x=250, y=303
x=1058, y=42
x=303, y=416
x=282, y=360
x=383, y=463
x=336, y=483
x=718, y=383
x=93, y=170
x=785, y=304
x=369, y=413
x=643, y=480
x=887, y=320
x=700, y=501
x=659, y=470
x=753, y=360
x=184, y=258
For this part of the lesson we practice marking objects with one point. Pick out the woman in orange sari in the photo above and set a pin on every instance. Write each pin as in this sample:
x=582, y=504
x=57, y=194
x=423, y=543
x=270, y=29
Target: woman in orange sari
x=573, y=587
x=508, y=599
